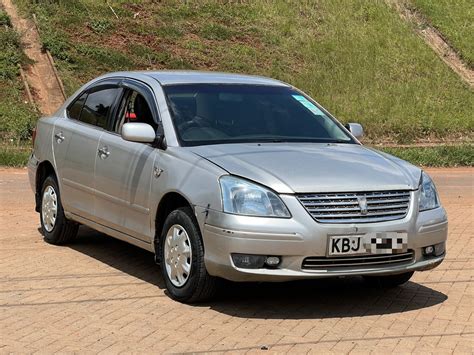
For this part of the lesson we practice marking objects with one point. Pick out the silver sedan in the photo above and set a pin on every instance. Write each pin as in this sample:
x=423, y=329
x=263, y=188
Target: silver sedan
x=230, y=176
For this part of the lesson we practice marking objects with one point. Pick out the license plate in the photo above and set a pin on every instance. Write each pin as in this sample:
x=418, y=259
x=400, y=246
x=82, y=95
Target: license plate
x=370, y=243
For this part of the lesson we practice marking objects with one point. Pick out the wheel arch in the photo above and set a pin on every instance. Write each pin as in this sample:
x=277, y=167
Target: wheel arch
x=44, y=169
x=168, y=203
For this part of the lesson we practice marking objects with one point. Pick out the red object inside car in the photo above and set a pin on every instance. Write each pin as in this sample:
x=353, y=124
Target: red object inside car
x=131, y=115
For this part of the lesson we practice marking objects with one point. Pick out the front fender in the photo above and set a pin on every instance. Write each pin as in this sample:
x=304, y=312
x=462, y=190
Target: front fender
x=189, y=175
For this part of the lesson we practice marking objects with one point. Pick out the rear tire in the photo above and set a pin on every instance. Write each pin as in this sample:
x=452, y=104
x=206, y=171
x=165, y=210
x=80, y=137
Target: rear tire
x=182, y=259
x=55, y=227
x=388, y=281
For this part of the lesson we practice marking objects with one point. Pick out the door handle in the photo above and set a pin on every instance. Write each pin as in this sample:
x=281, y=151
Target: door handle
x=59, y=137
x=103, y=152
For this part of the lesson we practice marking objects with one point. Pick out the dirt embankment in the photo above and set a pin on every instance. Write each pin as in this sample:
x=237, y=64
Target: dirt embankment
x=434, y=39
x=41, y=76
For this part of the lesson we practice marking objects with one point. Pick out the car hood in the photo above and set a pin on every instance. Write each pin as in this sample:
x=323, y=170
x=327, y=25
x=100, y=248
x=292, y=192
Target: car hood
x=321, y=167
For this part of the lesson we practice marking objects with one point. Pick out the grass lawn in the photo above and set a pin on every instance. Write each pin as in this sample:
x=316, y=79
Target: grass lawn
x=14, y=155
x=455, y=19
x=439, y=156
x=357, y=58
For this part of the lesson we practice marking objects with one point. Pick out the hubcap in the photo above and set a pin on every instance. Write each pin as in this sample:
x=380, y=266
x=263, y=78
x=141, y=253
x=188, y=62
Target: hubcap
x=178, y=255
x=49, y=208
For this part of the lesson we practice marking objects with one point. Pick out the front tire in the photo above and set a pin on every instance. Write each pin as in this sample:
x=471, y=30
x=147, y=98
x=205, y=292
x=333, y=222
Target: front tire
x=389, y=281
x=55, y=227
x=182, y=259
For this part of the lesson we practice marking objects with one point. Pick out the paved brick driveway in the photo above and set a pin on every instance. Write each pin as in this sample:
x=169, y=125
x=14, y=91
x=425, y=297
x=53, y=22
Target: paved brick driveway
x=101, y=295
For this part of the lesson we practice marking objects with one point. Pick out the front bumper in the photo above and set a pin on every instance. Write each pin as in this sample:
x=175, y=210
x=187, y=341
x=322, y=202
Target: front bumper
x=300, y=237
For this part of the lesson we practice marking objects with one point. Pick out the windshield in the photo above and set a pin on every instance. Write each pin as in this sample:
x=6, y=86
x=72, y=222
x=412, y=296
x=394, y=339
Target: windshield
x=230, y=113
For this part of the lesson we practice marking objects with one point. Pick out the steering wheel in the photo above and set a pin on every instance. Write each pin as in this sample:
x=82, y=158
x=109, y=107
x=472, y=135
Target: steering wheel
x=197, y=121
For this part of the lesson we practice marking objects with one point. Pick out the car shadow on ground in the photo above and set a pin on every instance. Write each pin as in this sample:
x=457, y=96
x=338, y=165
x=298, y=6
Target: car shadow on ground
x=309, y=299
x=120, y=255
x=323, y=298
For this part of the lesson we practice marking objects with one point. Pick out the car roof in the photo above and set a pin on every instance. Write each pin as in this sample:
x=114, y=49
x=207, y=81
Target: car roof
x=170, y=77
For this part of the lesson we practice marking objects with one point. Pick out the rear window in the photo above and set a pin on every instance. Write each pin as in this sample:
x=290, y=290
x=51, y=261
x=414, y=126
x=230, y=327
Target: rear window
x=74, y=111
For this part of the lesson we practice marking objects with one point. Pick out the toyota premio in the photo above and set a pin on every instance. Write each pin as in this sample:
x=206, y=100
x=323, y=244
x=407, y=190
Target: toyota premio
x=236, y=177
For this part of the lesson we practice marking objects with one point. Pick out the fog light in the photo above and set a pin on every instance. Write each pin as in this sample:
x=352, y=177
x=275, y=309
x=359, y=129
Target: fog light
x=248, y=261
x=272, y=261
x=440, y=249
x=429, y=250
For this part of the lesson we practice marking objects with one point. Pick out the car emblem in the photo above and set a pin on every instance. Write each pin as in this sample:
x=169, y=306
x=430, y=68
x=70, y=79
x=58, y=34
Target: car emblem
x=362, y=204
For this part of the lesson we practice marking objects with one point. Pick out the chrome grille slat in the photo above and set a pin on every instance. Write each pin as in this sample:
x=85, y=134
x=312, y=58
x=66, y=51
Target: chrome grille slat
x=365, y=220
x=339, y=196
x=405, y=199
x=312, y=263
x=355, y=208
x=344, y=207
x=383, y=207
x=352, y=215
x=309, y=204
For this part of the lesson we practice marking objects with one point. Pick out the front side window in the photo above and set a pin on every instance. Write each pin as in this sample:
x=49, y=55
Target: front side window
x=134, y=108
x=97, y=106
x=231, y=113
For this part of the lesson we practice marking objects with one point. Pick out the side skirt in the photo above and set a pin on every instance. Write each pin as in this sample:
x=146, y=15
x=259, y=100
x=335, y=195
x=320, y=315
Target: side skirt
x=112, y=232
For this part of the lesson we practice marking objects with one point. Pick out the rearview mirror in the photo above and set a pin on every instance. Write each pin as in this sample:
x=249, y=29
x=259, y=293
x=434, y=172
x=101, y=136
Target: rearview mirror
x=138, y=132
x=356, y=129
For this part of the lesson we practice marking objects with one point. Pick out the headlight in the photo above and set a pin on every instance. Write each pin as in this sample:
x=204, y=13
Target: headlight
x=428, y=195
x=245, y=198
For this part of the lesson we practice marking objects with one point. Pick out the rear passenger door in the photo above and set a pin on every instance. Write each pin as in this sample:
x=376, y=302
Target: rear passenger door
x=124, y=170
x=87, y=119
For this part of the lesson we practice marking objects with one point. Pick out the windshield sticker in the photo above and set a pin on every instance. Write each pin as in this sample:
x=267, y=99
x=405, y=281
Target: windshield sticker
x=309, y=105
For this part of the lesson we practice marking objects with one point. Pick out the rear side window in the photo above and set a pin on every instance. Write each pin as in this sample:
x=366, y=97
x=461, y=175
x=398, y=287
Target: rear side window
x=74, y=111
x=97, y=107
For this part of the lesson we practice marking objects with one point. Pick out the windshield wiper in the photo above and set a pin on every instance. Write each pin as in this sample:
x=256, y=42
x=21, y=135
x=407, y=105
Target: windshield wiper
x=296, y=140
x=265, y=140
x=338, y=141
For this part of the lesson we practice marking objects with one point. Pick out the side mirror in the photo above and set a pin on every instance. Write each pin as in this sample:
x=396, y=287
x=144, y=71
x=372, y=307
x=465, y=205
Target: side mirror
x=138, y=132
x=356, y=129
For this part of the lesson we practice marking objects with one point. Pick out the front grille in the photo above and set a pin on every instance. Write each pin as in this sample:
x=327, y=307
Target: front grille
x=356, y=207
x=318, y=262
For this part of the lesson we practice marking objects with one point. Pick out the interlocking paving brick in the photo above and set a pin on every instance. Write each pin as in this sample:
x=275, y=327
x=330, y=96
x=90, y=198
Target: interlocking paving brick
x=100, y=295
